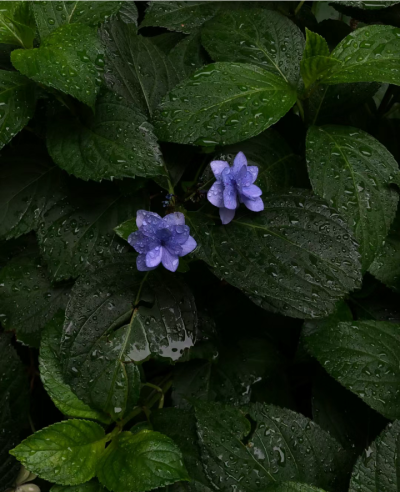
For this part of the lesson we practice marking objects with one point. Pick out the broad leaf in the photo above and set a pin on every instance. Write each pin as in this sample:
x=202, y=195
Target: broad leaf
x=17, y=25
x=223, y=103
x=377, y=469
x=17, y=104
x=364, y=357
x=50, y=16
x=9, y=466
x=369, y=54
x=293, y=487
x=135, y=68
x=105, y=334
x=67, y=60
x=65, y=453
x=139, y=462
x=296, y=257
x=29, y=185
x=115, y=142
x=128, y=13
x=28, y=300
x=352, y=171
x=167, y=40
x=187, y=56
x=257, y=36
x=77, y=232
x=51, y=374
x=92, y=486
x=282, y=446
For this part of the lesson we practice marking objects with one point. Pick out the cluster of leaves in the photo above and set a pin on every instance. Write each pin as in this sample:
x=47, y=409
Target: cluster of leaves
x=273, y=353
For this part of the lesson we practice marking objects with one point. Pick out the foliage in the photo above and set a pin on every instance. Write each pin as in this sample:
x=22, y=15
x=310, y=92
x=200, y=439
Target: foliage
x=251, y=149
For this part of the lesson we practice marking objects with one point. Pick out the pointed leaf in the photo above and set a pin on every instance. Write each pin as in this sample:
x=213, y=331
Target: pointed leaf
x=208, y=108
x=65, y=453
x=188, y=55
x=315, y=45
x=128, y=13
x=313, y=68
x=17, y=25
x=67, y=60
x=125, y=229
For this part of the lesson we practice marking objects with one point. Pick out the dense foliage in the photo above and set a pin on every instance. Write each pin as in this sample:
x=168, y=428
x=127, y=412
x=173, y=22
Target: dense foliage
x=251, y=149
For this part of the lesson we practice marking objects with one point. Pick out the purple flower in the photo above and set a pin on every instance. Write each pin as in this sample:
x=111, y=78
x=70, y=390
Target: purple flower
x=234, y=185
x=160, y=240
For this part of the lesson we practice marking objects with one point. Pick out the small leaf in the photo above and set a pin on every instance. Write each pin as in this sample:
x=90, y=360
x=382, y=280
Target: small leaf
x=65, y=453
x=51, y=375
x=377, y=469
x=115, y=142
x=315, y=45
x=92, y=486
x=364, y=357
x=135, y=68
x=67, y=60
x=313, y=68
x=50, y=16
x=17, y=25
x=208, y=108
x=140, y=462
x=188, y=55
x=17, y=104
x=125, y=229
x=257, y=36
x=352, y=171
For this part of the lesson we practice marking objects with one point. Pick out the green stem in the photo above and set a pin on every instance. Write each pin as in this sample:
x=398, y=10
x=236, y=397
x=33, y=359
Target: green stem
x=301, y=109
x=138, y=294
x=110, y=436
x=170, y=185
x=195, y=192
x=299, y=7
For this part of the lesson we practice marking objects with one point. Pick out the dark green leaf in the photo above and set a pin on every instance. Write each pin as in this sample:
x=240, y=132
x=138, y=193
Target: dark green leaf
x=352, y=171
x=257, y=36
x=314, y=68
x=377, y=469
x=28, y=300
x=287, y=258
x=17, y=104
x=315, y=45
x=67, y=60
x=50, y=16
x=105, y=336
x=283, y=446
x=141, y=462
x=135, y=68
x=368, y=4
x=125, y=229
x=92, y=486
x=369, y=54
x=51, y=375
x=364, y=357
x=209, y=107
x=77, y=232
x=115, y=142
x=166, y=41
x=292, y=487
x=9, y=466
x=17, y=25
x=128, y=13
x=187, y=56
x=65, y=453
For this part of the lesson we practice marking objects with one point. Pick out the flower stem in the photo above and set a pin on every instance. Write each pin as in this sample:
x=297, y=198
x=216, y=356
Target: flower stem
x=299, y=7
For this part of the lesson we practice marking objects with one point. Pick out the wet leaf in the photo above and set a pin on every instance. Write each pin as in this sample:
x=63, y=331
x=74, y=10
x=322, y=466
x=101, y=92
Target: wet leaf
x=315, y=45
x=292, y=487
x=65, y=453
x=352, y=171
x=17, y=25
x=67, y=60
x=139, y=462
x=223, y=103
x=125, y=229
x=92, y=486
x=297, y=257
x=188, y=55
x=115, y=142
x=368, y=4
x=128, y=13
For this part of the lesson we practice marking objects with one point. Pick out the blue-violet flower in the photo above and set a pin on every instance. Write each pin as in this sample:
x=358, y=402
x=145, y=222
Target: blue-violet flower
x=160, y=240
x=234, y=185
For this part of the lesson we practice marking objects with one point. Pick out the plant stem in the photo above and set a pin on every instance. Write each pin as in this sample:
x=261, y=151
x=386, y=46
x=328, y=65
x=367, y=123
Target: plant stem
x=299, y=7
x=301, y=109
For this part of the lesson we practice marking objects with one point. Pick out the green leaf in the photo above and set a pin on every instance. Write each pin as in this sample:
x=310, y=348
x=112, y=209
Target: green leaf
x=208, y=108
x=313, y=68
x=368, y=4
x=50, y=16
x=77, y=233
x=315, y=45
x=141, y=462
x=187, y=55
x=106, y=335
x=128, y=13
x=65, y=453
x=51, y=375
x=17, y=25
x=287, y=258
x=167, y=40
x=292, y=487
x=352, y=171
x=67, y=60
x=29, y=185
x=377, y=469
x=364, y=357
x=257, y=36
x=135, y=68
x=369, y=54
x=115, y=142
x=17, y=104
x=125, y=229
x=9, y=430
x=28, y=300
x=282, y=446
x=92, y=486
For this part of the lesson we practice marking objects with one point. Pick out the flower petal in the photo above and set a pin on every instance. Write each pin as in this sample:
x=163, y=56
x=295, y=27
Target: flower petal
x=169, y=261
x=141, y=264
x=189, y=246
x=215, y=194
x=144, y=216
x=239, y=161
x=142, y=243
x=226, y=215
x=251, y=191
x=253, y=170
x=179, y=235
x=230, y=198
x=153, y=257
x=150, y=222
x=176, y=218
x=218, y=166
x=253, y=204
